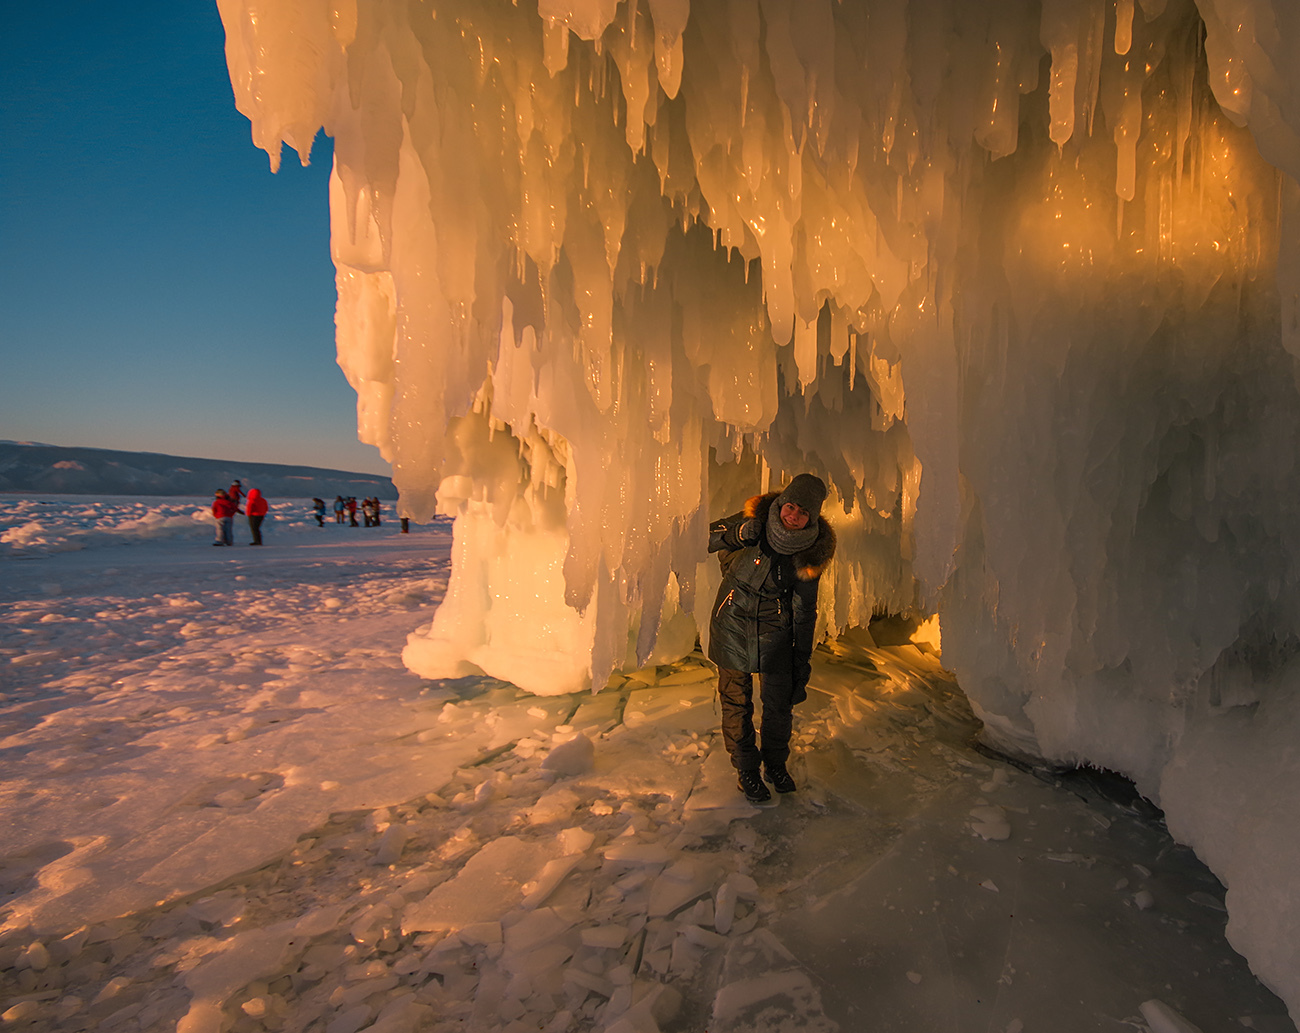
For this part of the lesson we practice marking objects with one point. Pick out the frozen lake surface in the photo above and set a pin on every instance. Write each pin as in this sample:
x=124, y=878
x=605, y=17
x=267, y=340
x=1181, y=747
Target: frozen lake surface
x=226, y=805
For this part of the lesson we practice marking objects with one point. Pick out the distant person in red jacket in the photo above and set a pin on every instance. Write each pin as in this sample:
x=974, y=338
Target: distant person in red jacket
x=256, y=508
x=236, y=493
x=352, y=510
x=223, y=511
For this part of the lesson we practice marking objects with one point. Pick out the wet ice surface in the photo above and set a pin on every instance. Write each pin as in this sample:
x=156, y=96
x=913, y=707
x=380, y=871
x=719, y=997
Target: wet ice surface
x=227, y=805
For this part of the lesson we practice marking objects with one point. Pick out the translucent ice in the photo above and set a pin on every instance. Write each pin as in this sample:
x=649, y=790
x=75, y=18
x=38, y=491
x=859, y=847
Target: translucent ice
x=489, y=884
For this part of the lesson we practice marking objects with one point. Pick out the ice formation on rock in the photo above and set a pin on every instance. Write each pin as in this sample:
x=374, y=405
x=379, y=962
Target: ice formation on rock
x=1021, y=280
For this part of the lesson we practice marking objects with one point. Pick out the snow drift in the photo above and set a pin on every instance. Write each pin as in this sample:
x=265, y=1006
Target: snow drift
x=1020, y=279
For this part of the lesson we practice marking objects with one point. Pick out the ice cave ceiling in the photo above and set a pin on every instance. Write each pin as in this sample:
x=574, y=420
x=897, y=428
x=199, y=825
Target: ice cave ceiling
x=1019, y=278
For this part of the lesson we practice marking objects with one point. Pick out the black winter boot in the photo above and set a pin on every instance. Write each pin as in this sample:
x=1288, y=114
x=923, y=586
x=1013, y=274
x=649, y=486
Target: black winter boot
x=780, y=778
x=752, y=786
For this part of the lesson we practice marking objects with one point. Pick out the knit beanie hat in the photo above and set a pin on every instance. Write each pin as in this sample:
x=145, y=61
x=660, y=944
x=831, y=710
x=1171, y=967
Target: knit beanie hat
x=807, y=492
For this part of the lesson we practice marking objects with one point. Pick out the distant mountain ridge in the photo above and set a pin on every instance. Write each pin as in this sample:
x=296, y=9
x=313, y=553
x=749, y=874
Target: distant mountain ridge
x=99, y=471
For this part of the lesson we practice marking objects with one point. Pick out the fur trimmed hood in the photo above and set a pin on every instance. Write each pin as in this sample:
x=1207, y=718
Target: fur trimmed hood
x=812, y=561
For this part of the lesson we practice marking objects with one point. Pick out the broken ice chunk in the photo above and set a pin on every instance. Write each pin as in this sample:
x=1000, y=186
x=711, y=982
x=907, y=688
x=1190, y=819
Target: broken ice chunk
x=111, y=989
x=606, y=936
x=535, y=929
x=552, y=875
x=639, y=854
x=575, y=840
x=746, y=888
x=703, y=937
x=739, y=999
x=247, y=956
x=349, y=1021
x=389, y=848
x=489, y=885
x=686, y=881
x=575, y=757
x=555, y=805
x=371, y=925
x=650, y=1005
x=1163, y=1019
x=588, y=981
x=35, y=957
x=990, y=823
x=685, y=959
x=724, y=907
x=562, y=1022
x=23, y=1011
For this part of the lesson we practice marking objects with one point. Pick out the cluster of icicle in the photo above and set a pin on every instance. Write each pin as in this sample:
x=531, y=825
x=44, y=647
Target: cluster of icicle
x=1019, y=278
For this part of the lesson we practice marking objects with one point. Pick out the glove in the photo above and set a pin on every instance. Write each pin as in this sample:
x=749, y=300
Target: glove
x=750, y=533
x=802, y=673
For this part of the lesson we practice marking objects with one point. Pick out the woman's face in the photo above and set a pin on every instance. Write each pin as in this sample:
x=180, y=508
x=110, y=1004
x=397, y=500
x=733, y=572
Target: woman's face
x=794, y=517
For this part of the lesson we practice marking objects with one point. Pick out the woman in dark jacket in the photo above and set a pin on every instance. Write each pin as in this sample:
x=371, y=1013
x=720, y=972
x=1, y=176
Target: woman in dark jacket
x=773, y=554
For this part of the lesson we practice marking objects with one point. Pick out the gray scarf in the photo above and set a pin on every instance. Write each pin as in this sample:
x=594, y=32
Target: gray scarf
x=785, y=541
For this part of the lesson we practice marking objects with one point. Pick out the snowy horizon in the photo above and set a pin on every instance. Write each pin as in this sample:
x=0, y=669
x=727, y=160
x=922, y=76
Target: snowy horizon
x=31, y=467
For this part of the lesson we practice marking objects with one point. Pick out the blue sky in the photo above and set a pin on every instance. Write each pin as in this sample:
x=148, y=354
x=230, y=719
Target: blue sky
x=160, y=289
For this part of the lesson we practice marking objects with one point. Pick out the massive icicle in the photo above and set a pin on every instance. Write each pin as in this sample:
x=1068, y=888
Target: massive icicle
x=605, y=267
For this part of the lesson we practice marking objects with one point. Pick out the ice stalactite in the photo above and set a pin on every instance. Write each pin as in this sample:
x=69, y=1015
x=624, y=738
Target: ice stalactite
x=1020, y=279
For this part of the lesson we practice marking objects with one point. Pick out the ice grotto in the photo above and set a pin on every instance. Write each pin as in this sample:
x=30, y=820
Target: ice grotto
x=1019, y=278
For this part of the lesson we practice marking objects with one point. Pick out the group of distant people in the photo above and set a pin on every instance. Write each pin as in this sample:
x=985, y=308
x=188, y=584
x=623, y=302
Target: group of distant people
x=370, y=509
x=226, y=506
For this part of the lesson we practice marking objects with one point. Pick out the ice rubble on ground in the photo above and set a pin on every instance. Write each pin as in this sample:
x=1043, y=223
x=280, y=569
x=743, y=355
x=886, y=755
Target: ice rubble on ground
x=490, y=860
x=1020, y=279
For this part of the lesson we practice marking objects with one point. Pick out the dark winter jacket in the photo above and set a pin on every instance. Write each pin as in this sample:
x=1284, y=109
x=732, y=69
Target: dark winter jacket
x=767, y=602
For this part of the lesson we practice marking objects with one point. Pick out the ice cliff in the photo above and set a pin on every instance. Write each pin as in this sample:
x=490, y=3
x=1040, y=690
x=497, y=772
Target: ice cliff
x=1021, y=279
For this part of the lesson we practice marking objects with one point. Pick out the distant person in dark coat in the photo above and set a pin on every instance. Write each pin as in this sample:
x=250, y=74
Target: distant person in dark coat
x=223, y=511
x=339, y=507
x=256, y=507
x=318, y=511
x=773, y=553
x=374, y=508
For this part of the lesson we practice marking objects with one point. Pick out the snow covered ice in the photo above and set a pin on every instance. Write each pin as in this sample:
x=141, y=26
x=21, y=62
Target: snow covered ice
x=227, y=805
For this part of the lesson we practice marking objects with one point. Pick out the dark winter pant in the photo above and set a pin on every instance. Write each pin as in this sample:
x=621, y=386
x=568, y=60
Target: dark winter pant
x=736, y=690
x=255, y=526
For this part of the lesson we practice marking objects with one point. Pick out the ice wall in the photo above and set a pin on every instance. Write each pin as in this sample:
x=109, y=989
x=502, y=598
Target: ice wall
x=1021, y=279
